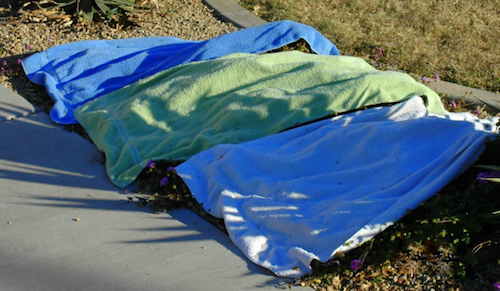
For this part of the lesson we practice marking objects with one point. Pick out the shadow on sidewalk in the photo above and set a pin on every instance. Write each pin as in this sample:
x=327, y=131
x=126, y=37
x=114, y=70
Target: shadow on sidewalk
x=50, y=178
x=36, y=150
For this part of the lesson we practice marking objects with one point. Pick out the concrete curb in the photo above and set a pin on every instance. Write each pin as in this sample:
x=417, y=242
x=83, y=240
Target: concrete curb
x=230, y=11
x=472, y=96
x=13, y=106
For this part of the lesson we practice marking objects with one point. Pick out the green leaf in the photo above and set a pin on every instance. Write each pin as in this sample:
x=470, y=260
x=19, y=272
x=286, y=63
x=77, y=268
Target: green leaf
x=126, y=8
x=117, y=2
x=87, y=9
x=65, y=4
x=489, y=104
x=496, y=180
x=104, y=8
x=493, y=217
x=488, y=167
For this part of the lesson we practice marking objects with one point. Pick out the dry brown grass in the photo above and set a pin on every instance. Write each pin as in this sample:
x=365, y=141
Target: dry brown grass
x=457, y=39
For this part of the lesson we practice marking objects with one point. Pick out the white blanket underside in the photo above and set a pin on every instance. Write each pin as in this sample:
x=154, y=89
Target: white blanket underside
x=305, y=193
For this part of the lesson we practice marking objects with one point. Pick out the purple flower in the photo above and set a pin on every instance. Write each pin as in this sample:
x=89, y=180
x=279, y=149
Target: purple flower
x=436, y=77
x=481, y=177
x=28, y=47
x=424, y=79
x=497, y=285
x=171, y=169
x=49, y=39
x=4, y=63
x=477, y=112
x=163, y=181
x=2, y=70
x=454, y=104
x=19, y=62
x=379, y=51
x=150, y=164
x=355, y=265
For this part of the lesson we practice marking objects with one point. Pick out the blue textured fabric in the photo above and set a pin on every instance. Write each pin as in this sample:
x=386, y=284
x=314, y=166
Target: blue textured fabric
x=79, y=72
x=325, y=188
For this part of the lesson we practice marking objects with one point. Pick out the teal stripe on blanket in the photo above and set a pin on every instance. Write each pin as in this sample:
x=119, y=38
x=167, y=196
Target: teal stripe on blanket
x=182, y=111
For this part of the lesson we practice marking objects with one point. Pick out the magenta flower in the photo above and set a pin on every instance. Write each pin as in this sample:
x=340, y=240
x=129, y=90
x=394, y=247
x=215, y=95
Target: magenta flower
x=2, y=70
x=436, y=77
x=379, y=51
x=355, y=264
x=49, y=39
x=150, y=164
x=4, y=63
x=163, y=181
x=424, y=79
x=454, y=104
x=19, y=62
x=497, y=285
x=28, y=47
x=171, y=169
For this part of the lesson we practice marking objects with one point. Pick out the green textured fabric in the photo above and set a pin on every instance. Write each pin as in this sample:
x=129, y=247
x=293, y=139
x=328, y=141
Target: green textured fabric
x=190, y=108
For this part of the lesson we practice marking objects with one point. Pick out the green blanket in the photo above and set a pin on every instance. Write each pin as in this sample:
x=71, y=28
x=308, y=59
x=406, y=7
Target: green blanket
x=190, y=108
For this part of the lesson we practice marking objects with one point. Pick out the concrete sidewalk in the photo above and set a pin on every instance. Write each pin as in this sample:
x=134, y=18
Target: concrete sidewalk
x=64, y=226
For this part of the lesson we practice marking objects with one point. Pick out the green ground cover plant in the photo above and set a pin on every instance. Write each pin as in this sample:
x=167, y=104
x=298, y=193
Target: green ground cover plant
x=92, y=10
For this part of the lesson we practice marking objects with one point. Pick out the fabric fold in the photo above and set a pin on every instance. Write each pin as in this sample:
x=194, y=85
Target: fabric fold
x=192, y=107
x=78, y=72
x=329, y=186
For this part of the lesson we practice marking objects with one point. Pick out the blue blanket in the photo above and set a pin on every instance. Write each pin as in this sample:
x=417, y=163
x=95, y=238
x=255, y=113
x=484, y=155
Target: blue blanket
x=325, y=188
x=79, y=72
